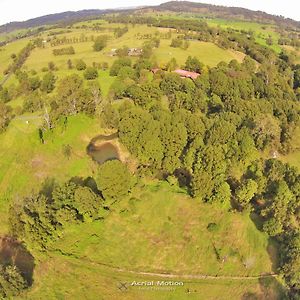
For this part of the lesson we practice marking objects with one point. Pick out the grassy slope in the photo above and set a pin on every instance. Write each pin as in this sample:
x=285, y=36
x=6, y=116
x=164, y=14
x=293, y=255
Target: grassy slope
x=58, y=277
x=164, y=231
x=167, y=231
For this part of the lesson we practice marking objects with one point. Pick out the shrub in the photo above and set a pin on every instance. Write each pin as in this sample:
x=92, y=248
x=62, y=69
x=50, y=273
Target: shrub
x=90, y=73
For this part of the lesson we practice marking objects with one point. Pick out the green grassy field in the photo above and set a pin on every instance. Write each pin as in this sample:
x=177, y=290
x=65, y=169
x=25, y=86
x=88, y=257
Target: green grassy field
x=58, y=278
x=25, y=160
x=139, y=235
x=207, y=52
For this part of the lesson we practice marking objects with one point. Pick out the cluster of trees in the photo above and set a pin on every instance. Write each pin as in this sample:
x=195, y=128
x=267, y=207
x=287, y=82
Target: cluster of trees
x=64, y=51
x=180, y=43
x=149, y=36
x=72, y=97
x=120, y=31
x=272, y=189
x=40, y=218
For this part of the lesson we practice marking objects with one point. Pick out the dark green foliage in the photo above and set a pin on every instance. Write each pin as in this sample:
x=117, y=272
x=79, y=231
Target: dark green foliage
x=120, y=31
x=177, y=43
x=246, y=191
x=80, y=65
x=73, y=98
x=193, y=64
x=64, y=51
x=48, y=83
x=91, y=73
x=114, y=181
x=33, y=102
x=39, y=218
x=4, y=95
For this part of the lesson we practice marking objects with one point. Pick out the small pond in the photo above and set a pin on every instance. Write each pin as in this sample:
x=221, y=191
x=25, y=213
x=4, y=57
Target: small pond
x=102, y=150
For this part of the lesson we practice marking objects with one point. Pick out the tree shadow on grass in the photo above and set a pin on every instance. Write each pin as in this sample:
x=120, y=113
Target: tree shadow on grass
x=270, y=289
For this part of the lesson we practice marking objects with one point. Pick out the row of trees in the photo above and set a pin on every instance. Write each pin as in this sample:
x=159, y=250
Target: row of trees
x=64, y=51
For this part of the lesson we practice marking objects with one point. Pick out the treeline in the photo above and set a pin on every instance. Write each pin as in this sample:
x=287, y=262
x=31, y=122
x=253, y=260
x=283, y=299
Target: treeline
x=56, y=41
x=19, y=60
x=149, y=36
x=120, y=31
x=64, y=51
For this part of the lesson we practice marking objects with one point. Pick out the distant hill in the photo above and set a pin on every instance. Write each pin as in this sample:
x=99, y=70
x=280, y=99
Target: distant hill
x=64, y=17
x=174, y=6
x=226, y=12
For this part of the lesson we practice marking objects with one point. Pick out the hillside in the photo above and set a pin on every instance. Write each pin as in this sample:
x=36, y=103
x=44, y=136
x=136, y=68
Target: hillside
x=150, y=155
x=233, y=13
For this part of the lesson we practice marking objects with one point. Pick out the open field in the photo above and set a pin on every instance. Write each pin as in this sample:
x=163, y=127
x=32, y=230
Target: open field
x=138, y=235
x=58, y=279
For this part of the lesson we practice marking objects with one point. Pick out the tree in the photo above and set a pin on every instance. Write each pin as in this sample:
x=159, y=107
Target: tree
x=80, y=65
x=51, y=66
x=172, y=65
x=87, y=202
x=91, y=73
x=118, y=64
x=245, y=192
x=33, y=221
x=193, y=64
x=100, y=43
x=11, y=281
x=48, y=83
x=73, y=98
x=5, y=116
x=67, y=150
x=114, y=181
x=4, y=94
x=70, y=64
x=176, y=43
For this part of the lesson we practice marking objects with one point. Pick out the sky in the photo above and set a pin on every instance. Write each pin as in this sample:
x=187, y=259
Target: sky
x=20, y=10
